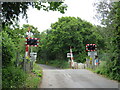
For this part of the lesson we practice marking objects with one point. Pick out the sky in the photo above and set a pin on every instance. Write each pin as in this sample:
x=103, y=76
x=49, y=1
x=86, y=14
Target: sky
x=76, y=8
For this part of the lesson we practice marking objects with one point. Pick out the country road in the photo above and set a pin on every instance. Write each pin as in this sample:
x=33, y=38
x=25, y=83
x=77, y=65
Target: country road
x=74, y=78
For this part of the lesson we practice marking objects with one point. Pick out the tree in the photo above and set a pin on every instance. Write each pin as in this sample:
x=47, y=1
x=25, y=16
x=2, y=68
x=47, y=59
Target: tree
x=13, y=51
x=8, y=50
x=110, y=16
x=68, y=31
x=12, y=10
x=13, y=43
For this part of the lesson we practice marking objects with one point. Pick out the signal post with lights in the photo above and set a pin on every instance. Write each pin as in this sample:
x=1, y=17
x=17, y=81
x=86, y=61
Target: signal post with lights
x=30, y=42
x=92, y=53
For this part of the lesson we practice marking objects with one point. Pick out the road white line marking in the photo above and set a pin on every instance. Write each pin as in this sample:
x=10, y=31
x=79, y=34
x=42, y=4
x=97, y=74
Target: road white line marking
x=67, y=75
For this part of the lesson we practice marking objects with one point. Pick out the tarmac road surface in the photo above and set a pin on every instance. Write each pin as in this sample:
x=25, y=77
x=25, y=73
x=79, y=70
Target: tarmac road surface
x=74, y=78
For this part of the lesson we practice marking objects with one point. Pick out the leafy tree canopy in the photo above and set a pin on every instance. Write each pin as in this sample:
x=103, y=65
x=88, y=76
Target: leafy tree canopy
x=109, y=14
x=68, y=31
x=11, y=10
x=13, y=43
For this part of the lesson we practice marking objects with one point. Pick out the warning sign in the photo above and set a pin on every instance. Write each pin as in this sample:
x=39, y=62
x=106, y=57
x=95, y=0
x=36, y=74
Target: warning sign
x=68, y=54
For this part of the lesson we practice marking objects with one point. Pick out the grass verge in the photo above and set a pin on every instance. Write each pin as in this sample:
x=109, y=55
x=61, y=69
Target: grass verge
x=102, y=70
x=34, y=78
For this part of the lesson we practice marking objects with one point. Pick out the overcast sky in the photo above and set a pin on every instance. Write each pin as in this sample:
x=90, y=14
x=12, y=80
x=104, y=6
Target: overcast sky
x=76, y=8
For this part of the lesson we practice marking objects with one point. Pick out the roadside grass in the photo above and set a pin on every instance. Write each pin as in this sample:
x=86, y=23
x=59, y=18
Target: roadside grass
x=34, y=78
x=90, y=69
x=101, y=70
x=32, y=81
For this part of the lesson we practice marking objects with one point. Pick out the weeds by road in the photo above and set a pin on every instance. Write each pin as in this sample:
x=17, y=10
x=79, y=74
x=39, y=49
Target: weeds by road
x=34, y=78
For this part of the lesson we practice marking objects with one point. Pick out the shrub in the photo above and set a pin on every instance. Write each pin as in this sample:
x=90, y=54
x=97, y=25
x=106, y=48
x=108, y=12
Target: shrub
x=102, y=68
x=13, y=77
x=32, y=81
x=37, y=72
x=108, y=69
x=34, y=78
x=8, y=49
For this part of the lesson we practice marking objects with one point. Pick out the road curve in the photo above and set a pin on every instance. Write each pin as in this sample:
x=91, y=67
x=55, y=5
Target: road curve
x=73, y=78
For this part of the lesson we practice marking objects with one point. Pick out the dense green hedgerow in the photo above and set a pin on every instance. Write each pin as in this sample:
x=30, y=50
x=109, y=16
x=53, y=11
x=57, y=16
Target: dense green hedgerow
x=13, y=77
x=109, y=70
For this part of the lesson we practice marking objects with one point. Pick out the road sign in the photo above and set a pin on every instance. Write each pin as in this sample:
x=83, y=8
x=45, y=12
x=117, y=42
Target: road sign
x=94, y=53
x=33, y=56
x=91, y=60
x=68, y=54
x=96, y=61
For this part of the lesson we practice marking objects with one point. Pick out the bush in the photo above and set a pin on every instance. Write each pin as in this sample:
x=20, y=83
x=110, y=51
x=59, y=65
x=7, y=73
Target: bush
x=108, y=69
x=41, y=61
x=37, y=72
x=13, y=77
x=34, y=79
x=102, y=68
x=8, y=49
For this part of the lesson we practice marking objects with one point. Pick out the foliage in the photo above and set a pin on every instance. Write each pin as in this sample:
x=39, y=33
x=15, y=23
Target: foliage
x=13, y=50
x=68, y=31
x=8, y=50
x=37, y=70
x=13, y=47
x=33, y=80
x=12, y=10
x=102, y=68
x=13, y=77
x=108, y=70
x=110, y=17
x=13, y=43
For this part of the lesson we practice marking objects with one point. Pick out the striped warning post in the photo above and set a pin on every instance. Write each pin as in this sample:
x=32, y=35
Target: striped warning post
x=26, y=50
x=71, y=54
x=72, y=59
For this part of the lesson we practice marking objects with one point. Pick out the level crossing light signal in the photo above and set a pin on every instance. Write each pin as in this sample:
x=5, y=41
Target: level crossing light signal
x=32, y=41
x=91, y=47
